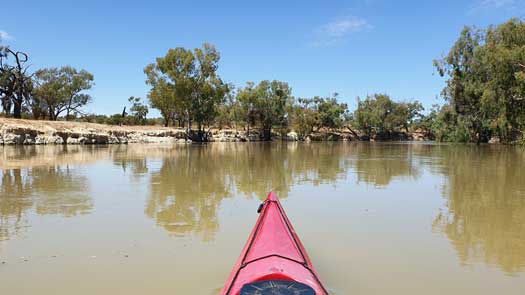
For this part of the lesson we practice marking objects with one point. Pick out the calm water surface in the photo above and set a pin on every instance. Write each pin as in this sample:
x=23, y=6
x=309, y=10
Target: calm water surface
x=375, y=218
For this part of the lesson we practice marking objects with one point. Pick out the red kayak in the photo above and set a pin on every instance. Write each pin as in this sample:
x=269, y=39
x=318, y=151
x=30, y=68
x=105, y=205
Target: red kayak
x=273, y=260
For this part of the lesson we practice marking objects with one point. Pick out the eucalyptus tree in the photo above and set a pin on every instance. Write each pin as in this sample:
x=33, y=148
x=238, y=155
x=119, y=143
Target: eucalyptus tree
x=209, y=91
x=247, y=97
x=229, y=111
x=486, y=80
x=378, y=114
x=273, y=104
x=305, y=116
x=267, y=103
x=75, y=83
x=139, y=110
x=331, y=112
x=317, y=112
x=59, y=90
x=185, y=84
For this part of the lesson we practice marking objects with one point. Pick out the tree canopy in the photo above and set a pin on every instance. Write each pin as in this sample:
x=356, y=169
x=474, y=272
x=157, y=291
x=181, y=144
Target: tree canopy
x=46, y=93
x=139, y=110
x=484, y=95
x=59, y=90
x=378, y=114
x=319, y=112
x=185, y=86
x=267, y=103
x=485, y=87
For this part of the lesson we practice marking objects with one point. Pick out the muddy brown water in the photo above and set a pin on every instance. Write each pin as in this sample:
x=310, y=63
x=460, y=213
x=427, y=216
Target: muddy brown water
x=375, y=218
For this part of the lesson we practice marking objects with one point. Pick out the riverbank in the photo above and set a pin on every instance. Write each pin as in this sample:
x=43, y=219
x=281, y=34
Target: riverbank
x=32, y=132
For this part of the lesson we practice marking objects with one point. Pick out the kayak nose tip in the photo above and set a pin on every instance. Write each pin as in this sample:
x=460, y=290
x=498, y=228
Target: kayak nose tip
x=272, y=197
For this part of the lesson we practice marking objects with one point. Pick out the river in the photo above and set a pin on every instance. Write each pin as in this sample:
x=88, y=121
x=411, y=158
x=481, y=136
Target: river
x=376, y=218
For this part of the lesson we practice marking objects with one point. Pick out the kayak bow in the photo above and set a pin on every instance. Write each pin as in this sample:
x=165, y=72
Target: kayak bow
x=273, y=260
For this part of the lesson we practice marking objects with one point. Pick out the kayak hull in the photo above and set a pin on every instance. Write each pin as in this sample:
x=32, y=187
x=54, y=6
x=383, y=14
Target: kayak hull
x=273, y=252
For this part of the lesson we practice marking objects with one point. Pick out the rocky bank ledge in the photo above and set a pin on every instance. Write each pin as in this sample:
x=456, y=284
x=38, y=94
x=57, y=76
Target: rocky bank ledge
x=30, y=132
x=57, y=132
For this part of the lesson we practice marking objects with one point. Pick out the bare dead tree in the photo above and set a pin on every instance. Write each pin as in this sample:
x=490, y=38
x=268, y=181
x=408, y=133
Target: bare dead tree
x=15, y=85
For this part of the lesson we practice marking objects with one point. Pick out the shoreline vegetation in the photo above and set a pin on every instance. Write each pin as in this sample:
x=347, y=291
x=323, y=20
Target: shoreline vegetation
x=483, y=101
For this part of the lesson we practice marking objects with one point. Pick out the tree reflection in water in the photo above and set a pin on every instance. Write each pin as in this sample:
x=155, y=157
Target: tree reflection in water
x=49, y=190
x=379, y=164
x=484, y=216
x=192, y=181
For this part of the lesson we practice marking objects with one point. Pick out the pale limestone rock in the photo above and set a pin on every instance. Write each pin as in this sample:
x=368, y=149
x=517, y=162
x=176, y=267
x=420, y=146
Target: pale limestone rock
x=112, y=139
x=11, y=138
x=28, y=139
x=292, y=136
x=72, y=140
x=494, y=140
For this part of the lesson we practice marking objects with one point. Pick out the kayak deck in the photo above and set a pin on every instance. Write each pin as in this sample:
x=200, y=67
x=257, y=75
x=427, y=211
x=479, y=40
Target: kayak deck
x=273, y=253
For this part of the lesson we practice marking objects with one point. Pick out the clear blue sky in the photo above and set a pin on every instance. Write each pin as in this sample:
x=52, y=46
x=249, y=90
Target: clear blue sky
x=354, y=48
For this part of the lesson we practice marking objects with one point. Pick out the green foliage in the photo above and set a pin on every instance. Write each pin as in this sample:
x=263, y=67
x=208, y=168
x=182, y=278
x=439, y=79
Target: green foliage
x=318, y=112
x=305, y=116
x=117, y=119
x=379, y=115
x=267, y=103
x=138, y=111
x=209, y=91
x=247, y=102
x=60, y=90
x=444, y=124
x=186, y=86
x=229, y=112
x=272, y=105
x=93, y=118
x=331, y=113
x=486, y=81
